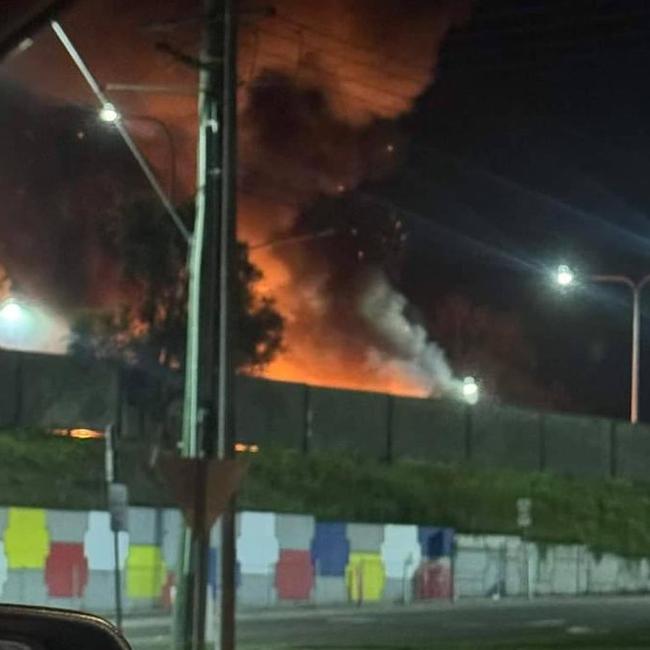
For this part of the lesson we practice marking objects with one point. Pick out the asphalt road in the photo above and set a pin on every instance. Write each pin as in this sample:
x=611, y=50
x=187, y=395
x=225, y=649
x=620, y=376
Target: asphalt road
x=426, y=625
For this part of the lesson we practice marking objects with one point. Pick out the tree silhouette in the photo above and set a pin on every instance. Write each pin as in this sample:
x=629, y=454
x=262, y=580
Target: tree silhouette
x=148, y=329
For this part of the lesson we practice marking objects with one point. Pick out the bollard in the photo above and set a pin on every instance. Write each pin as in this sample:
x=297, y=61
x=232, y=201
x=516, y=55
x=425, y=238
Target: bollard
x=360, y=584
x=273, y=569
x=405, y=580
x=313, y=598
x=76, y=591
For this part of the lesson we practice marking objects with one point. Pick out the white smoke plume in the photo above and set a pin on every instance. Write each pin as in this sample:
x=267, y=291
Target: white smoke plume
x=403, y=347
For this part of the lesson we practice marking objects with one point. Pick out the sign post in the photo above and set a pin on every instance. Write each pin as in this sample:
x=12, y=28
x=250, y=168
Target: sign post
x=524, y=522
x=118, y=507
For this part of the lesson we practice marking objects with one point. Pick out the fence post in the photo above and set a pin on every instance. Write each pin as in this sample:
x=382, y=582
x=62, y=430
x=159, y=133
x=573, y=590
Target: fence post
x=271, y=582
x=359, y=577
x=18, y=379
x=613, y=450
x=390, y=409
x=453, y=590
x=526, y=567
x=405, y=580
x=308, y=421
x=76, y=592
x=313, y=594
x=542, y=442
x=503, y=570
x=468, y=433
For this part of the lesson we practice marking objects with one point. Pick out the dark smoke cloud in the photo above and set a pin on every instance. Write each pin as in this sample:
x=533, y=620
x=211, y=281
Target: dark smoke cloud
x=317, y=120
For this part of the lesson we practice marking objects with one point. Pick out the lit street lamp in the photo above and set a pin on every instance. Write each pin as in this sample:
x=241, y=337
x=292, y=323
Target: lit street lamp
x=108, y=113
x=565, y=277
x=470, y=390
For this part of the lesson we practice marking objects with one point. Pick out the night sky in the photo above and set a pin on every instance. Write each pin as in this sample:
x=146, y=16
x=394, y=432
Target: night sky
x=532, y=149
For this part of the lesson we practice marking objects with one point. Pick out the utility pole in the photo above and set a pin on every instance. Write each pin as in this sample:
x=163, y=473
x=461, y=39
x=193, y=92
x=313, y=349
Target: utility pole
x=207, y=421
x=207, y=412
x=228, y=279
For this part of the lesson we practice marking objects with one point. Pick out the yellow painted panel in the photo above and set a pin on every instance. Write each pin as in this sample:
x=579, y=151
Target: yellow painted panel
x=365, y=576
x=27, y=540
x=145, y=572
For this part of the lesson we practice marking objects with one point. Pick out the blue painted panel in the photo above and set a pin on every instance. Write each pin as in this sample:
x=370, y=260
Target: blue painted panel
x=436, y=542
x=330, y=549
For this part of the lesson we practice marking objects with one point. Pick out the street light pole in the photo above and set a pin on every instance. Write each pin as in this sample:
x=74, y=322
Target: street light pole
x=636, y=333
x=170, y=146
x=636, y=288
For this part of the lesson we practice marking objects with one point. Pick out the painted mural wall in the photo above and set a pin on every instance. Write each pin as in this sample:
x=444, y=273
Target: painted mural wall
x=66, y=558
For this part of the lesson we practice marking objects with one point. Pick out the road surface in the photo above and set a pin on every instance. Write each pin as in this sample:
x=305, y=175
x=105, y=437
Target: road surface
x=428, y=625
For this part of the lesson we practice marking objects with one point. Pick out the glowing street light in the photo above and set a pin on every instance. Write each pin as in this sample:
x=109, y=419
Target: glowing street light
x=470, y=390
x=108, y=113
x=564, y=275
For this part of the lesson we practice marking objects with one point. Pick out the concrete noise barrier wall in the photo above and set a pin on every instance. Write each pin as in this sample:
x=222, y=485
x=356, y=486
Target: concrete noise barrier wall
x=440, y=430
x=41, y=390
x=65, y=392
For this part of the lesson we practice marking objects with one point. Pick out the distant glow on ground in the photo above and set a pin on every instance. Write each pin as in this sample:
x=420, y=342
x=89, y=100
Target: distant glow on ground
x=85, y=434
x=241, y=447
x=80, y=434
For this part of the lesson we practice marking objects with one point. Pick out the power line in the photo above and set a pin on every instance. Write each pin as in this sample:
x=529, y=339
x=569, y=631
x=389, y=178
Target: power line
x=389, y=102
x=344, y=43
x=381, y=64
x=459, y=238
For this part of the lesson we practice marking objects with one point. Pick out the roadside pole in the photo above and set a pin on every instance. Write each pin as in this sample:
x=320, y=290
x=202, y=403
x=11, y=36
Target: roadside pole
x=207, y=420
x=525, y=521
x=117, y=501
x=227, y=280
x=198, y=420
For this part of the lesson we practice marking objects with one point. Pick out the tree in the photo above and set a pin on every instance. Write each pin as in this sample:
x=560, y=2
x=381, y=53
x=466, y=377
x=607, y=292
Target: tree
x=147, y=330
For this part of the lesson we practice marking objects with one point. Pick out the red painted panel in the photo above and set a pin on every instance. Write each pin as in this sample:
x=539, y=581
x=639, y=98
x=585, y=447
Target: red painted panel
x=294, y=575
x=66, y=570
x=433, y=580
